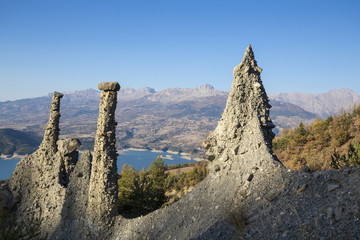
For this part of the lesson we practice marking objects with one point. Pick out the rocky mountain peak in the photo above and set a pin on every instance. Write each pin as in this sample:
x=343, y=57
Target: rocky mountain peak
x=206, y=88
x=323, y=104
x=129, y=94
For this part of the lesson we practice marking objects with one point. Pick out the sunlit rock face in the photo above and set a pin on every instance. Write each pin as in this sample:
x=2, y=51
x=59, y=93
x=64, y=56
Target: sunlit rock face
x=246, y=113
x=242, y=160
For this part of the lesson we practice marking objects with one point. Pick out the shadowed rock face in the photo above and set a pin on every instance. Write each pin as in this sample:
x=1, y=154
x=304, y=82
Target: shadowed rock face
x=74, y=198
x=38, y=183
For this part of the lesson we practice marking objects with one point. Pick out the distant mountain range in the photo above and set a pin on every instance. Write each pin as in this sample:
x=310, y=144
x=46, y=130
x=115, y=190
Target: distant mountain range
x=172, y=119
x=323, y=104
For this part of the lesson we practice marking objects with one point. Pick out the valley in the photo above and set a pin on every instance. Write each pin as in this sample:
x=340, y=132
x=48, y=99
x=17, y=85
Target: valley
x=174, y=119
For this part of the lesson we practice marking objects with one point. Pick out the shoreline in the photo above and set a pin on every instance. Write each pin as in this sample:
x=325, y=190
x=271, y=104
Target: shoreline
x=12, y=157
x=165, y=154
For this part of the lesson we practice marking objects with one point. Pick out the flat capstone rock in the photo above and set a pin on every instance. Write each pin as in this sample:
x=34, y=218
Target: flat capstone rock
x=58, y=94
x=109, y=86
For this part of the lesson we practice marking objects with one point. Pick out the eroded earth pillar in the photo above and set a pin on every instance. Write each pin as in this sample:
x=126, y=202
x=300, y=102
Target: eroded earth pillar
x=103, y=189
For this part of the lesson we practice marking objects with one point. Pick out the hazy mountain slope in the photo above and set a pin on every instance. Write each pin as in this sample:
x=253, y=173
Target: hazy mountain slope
x=13, y=141
x=175, y=118
x=130, y=94
x=287, y=115
x=323, y=104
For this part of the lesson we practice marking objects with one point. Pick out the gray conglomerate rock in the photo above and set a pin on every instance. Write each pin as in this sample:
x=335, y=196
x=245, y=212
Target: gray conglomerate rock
x=103, y=188
x=109, y=86
x=38, y=183
x=247, y=104
x=68, y=146
x=53, y=185
x=240, y=152
x=248, y=193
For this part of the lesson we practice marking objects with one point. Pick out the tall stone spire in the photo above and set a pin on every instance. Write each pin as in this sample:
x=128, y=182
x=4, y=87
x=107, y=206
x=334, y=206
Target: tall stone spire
x=103, y=189
x=246, y=112
x=52, y=130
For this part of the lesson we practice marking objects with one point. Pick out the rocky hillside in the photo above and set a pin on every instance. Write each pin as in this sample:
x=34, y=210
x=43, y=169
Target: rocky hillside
x=177, y=119
x=323, y=104
x=78, y=198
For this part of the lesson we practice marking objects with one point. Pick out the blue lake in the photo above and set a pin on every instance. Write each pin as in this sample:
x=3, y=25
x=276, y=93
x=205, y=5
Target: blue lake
x=137, y=159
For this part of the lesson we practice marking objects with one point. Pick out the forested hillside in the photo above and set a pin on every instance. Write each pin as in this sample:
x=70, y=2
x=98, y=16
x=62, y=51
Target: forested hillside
x=13, y=141
x=147, y=190
x=325, y=144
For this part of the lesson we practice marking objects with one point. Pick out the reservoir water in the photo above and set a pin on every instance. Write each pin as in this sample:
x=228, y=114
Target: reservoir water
x=136, y=158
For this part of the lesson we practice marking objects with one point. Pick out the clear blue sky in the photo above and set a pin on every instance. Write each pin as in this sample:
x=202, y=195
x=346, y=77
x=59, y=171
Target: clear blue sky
x=305, y=46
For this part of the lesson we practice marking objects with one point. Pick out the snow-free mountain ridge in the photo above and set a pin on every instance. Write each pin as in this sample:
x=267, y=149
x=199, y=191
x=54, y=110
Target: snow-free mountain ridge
x=172, y=119
x=323, y=104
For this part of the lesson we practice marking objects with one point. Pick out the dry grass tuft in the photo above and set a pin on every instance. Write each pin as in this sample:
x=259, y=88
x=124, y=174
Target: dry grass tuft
x=236, y=216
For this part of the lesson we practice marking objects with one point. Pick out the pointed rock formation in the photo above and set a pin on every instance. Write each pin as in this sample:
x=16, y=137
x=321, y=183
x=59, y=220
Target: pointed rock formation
x=245, y=122
x=52, y=129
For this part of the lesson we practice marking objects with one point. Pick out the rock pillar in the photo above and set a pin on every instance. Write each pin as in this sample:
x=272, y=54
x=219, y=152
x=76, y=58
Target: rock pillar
x=52, y=130
x=103, y=189
x=245, y=122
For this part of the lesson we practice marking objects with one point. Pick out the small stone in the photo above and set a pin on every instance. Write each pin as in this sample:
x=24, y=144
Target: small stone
x=329, y=213
x=259, y=69
x=305, y=169
x=206, y=144
x=243, y=151
x=210, y=156
x=217, y=168
x=302, y=188
x=243, y=192
x=257, y=85
x=271, y=195
x=109, y=86
x=250, y=177
x=338, y=213
x=331, y=187
x=68, y=145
